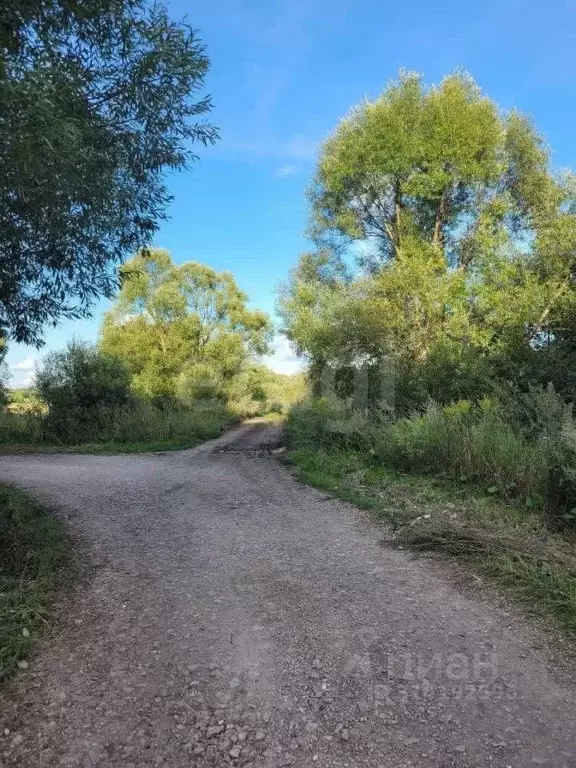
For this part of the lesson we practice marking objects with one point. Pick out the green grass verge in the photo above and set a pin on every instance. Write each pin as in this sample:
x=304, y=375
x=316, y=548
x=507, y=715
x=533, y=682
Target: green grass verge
x=136, y=429
x=175, y=434
x=108, y=447
x=33, y=552
x=506, y=544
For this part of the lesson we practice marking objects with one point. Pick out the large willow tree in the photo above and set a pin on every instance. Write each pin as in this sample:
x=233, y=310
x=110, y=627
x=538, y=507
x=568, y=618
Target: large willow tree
x=97, y=100
x=441, y=166
x=441, y=232
x=182, y=329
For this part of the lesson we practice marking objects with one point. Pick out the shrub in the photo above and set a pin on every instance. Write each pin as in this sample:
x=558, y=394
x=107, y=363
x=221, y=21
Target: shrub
x=82, y=377
x=521, y=448
x=24, y=400
x=258, y=390
x=467, y=442
x=88, y=401
x=22, y=428
x=309, y=422
x=199, y=382
x=78, y=384
x=330, y=423
x=138, y=422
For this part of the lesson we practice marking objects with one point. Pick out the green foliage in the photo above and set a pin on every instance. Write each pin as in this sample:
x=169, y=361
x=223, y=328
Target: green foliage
x=182, y=329
x=332, y=423
x=33, y=550
x=440, y=166
x=80, y=378
x=135, y=426
x=98, y=99
x=87, y=402
x=21, y=396
x=472, y=443
x=4, y=374
x=283, y=390
x=79, y=384
x=258, y=390
x=199, y=381
x=522, y=448
x=461, y=274
x=24, y=399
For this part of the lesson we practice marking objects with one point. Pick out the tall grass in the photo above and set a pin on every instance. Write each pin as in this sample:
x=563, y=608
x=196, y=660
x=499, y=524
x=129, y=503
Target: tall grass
x=489, y=484
x=468, y=444
x=527, y=454
x=138, y=423
x=33, y=551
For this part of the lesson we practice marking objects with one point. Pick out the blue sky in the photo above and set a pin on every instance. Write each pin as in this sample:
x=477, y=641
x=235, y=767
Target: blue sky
x=282, y=75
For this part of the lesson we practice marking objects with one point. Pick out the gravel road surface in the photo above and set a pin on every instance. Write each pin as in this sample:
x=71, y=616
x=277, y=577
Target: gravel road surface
x=231, y=616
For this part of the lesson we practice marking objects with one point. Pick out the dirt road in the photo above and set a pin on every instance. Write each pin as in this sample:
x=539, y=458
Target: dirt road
x=234, y=617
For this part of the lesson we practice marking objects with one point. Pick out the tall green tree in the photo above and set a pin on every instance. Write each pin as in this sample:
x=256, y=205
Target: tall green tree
x=182, y=329
x=97, y=100
x=444, y=240
x=440, y=166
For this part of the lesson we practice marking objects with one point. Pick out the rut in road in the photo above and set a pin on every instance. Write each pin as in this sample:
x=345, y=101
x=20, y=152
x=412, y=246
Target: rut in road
x=235, y=617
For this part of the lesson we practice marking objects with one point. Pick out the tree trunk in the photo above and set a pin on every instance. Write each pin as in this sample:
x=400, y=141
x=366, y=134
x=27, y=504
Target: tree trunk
x=438, y=238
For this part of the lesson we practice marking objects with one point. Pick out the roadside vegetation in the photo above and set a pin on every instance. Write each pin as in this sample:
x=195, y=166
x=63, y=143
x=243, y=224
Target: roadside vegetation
x=33, y=555
x=133, y=427
x=436, y=310
x=493, y=518
x=176, y=363
x=99, y=101
x=438, y=316
x=83, y=400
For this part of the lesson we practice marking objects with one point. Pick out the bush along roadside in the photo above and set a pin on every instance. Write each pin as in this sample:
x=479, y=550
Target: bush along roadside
x=464, y=481
x=33, y=554
x=84, y=399
x=138, y=426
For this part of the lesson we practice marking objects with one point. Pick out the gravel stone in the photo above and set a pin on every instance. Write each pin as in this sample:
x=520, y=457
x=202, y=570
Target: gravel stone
x=218, y=590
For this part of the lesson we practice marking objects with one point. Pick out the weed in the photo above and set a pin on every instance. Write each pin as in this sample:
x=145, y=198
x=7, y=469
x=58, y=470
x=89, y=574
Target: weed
x=461, y=482
x=133, y=427
x=33, y=551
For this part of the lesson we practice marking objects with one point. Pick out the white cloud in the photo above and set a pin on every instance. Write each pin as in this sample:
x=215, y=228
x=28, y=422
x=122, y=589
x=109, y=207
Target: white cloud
x=294, y=147
x=285, y=170
x=22, y=382
x=25, y=365
x=22, y=372
x=283, y=359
